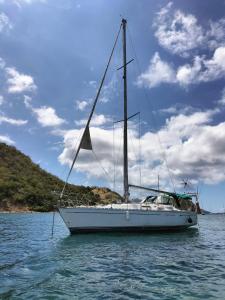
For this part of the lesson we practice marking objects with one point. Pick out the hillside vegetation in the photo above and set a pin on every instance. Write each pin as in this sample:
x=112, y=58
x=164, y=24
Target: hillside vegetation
x=25, y=186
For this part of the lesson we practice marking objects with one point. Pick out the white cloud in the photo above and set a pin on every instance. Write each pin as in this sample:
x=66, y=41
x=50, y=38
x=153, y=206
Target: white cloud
x=81, y=104
x=18, y=82
x=221, y=101
x=214, y=68
x=180, y=33
x=93, y=83
x=21, y=2
x=5, y=23
x=170, y=110
x=97, y=120
x=201, y=155
x=158, y=72
x=201, y=70
x=177, y=32
x=187, y=74
x=109, y=90
x=177, y=109
x=81, y=122
x=47, y=116
x=102, y=142
x=2, y=63
x=7, y=140
x=27, y=101
x=30, y=1
x=216, y=34
x=16, y=122
x=1, y=99
x=192, y=144
x=104, y=99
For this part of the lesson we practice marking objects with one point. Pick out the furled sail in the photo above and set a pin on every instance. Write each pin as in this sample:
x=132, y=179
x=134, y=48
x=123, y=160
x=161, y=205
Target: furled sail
x=86, y=140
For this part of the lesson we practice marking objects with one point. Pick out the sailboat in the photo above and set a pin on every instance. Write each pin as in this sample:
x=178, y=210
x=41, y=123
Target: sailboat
x=162, y=211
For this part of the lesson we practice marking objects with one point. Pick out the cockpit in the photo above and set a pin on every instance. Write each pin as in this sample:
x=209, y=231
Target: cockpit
x=180, y=201
x=161, y=199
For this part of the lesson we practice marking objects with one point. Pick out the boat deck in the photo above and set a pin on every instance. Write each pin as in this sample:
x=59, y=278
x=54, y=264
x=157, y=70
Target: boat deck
x=131, y=206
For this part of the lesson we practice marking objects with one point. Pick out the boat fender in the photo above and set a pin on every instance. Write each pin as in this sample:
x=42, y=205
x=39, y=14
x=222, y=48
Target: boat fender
x=127, y=215
x=189, y=220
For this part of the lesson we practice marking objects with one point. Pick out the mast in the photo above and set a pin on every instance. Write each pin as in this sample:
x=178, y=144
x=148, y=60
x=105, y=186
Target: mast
x=125, y=159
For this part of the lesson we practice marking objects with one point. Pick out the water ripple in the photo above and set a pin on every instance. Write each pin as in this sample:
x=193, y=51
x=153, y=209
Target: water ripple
x=185, y=265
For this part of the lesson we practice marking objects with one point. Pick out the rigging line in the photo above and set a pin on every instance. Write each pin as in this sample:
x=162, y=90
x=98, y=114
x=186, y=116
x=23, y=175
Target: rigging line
x=137, y=156
x=92, y=111
x=114, y=159
x=62, y=191
x=131, y=138
x=139, y=131
x=125, y=64
x=116, y=127
x=119, y=148
x=153, y=118
x=132, y=116
x=106, y=173
x=58, y=186
x=132, y=148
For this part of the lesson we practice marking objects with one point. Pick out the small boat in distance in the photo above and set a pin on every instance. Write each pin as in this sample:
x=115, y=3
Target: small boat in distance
x=164, y=211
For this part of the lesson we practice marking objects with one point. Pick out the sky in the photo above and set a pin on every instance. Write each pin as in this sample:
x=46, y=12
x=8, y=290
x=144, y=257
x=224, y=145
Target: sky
x=52, y=57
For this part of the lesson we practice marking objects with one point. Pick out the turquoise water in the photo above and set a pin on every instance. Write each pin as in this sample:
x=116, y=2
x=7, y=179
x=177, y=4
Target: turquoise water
x=187, y=265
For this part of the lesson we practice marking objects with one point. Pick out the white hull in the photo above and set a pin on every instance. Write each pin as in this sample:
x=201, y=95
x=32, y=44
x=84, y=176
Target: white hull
x=95, y=219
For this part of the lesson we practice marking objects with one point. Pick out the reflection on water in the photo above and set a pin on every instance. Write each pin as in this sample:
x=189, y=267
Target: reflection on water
x=182, y=265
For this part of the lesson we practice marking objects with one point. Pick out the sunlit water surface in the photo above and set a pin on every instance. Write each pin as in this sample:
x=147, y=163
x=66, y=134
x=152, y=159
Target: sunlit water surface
x=185, y=265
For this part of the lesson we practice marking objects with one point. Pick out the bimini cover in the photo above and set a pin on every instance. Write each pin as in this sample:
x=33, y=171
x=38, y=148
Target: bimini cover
x=184, y=196
x=185, y=202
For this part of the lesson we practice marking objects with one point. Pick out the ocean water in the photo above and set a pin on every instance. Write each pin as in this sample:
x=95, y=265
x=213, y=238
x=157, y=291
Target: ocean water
x=185, y=265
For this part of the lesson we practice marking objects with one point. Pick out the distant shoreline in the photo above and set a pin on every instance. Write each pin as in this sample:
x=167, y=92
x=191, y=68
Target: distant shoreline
x=21, y=211
x=18, y=210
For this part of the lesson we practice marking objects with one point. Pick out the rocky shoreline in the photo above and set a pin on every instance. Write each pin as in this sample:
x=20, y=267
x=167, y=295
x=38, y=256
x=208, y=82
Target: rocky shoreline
x=17, y=209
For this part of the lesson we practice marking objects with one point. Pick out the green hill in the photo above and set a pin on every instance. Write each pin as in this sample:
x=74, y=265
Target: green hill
x=25, y=186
